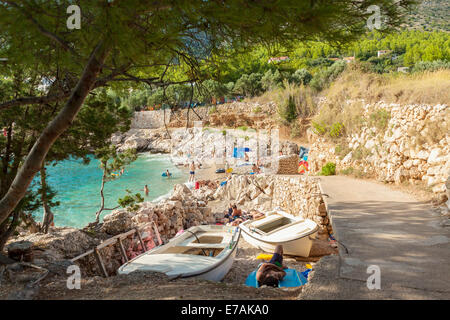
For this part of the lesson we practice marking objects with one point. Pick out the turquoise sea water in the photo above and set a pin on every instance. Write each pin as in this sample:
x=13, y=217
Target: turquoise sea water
x=78, y=186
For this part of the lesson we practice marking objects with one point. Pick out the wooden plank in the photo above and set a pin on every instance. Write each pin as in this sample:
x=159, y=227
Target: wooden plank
x=108, y=242
x=127, y=234
x=102, y=267
x=157, y=233
x=140, y=240
x=82, y=255
x=113, y=240
x=122, y=250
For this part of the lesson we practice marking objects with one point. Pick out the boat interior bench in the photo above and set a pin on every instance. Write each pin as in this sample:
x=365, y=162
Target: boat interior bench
x=182, y=249
x=211, y=243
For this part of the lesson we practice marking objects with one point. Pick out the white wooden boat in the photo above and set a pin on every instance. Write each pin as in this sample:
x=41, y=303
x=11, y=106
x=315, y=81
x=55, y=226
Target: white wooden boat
x=294, y=233
x=205, y=252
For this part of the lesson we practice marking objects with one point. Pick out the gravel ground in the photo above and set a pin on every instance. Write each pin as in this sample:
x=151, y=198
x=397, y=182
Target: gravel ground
x=150, y=286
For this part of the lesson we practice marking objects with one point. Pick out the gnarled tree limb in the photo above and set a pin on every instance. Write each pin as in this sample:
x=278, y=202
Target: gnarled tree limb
x=54, y=129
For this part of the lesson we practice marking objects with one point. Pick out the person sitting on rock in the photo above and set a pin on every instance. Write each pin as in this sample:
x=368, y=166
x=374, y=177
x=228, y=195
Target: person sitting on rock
x=229, y=212
x=236, y=212
x=233, y=215
x=255, y=169
x=271, y=273
x=237, y=217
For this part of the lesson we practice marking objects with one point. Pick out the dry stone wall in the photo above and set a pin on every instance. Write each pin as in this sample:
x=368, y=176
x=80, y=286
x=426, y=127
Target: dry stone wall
x=149, y=119
x=301, y=195
x=288, y=164
x=298, y=195
x=414, y=147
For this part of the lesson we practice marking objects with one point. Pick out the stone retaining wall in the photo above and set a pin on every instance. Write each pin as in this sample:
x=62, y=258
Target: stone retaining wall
x=413, y=147
x=149, y=119
x=288, y=164
x=297, y=195
x=301, y=195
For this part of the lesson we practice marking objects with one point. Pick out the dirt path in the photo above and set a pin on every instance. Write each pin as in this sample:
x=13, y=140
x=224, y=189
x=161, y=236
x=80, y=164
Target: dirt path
x=387, y=228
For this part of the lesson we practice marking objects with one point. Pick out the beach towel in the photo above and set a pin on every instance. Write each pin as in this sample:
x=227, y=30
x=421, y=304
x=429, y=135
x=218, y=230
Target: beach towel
x=240, y=152
x=293, y=278
x=303, y=152
x=264, y=256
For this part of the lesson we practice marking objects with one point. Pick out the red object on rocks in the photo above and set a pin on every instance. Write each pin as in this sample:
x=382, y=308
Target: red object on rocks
x=197, y=185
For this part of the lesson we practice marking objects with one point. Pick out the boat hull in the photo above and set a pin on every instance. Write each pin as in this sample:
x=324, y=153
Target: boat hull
x=295, y=237
x=218, y=273
x=298, y=247
x=173, y=259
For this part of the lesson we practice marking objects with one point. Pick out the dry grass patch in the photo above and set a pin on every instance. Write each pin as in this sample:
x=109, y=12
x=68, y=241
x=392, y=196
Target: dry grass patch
x=432, y=132
x=417, y=88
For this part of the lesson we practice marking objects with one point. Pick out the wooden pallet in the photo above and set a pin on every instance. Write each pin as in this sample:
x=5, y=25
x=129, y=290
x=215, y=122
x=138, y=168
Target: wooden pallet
x=116, y=240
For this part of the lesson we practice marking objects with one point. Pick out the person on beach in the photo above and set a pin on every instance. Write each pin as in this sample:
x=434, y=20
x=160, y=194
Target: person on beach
x=246, y=158
x=271, y=273
x=192, y=172
x=229, y=212
x=255, y=169
x=236, y=212
x=233, y=215
x=146, y=190
x=255, y=214
x=237, y=216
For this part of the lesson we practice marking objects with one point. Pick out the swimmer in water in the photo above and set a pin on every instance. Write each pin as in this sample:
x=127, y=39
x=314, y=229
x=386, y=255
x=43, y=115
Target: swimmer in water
x=146, y=190
x=168, y=173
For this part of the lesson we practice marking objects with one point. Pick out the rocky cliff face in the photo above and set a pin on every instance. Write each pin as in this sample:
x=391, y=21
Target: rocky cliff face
x=232, y=115
x=148, y=131
x=152, y=140
x=414, y=146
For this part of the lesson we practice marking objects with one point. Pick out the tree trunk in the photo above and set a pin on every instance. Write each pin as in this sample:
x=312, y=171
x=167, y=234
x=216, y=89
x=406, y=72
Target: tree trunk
x=165, y=124
x=54, y=129
x=5, y=162
x=102, y=206
x=6, y=231
x=47, y=219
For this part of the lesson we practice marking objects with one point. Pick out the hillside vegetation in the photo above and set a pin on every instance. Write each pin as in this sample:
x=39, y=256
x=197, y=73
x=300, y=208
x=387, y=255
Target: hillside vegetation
x=424, y=87
x=343, y=112
x=430, y=15
x=312, y=63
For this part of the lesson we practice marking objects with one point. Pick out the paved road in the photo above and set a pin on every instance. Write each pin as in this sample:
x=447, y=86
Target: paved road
x=387, y=228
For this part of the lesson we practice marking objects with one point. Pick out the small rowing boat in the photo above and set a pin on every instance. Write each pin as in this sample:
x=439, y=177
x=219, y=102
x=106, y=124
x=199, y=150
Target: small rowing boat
x=294, y=233
x=205, y=252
